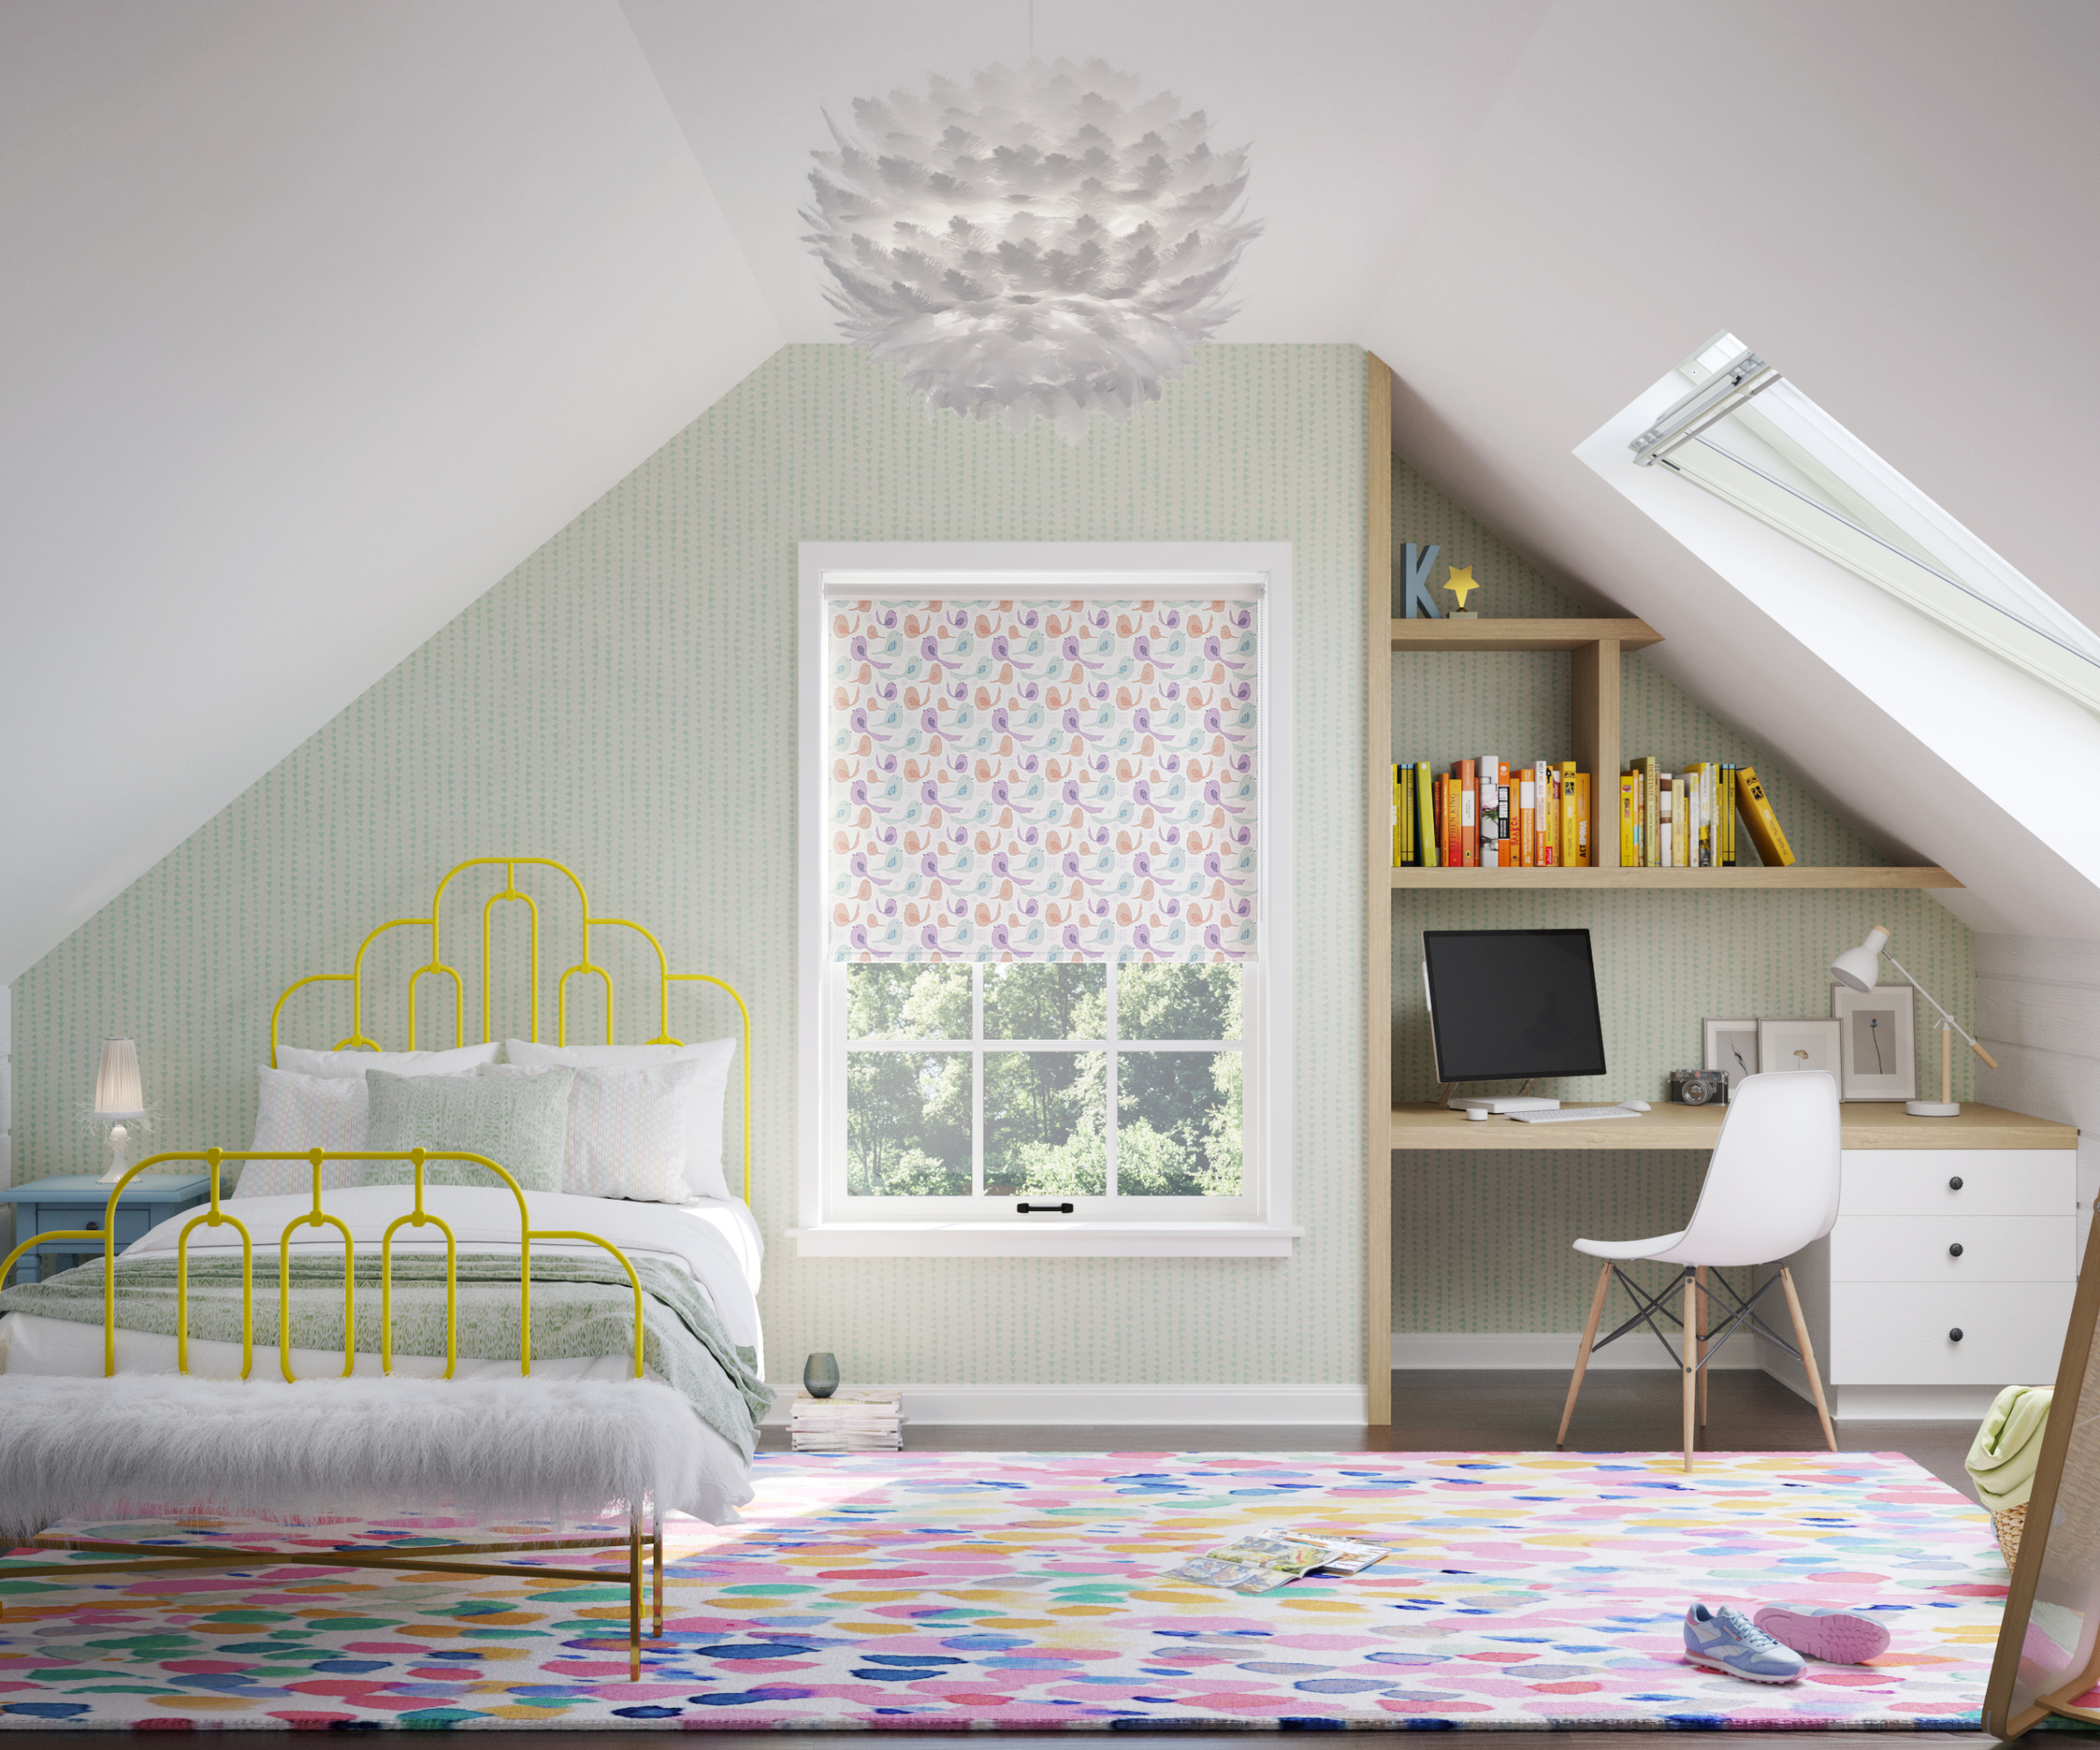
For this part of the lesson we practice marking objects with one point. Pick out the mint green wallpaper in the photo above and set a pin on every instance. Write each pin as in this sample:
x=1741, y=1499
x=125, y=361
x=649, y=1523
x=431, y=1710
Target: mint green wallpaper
x=1480, y=1241
x=623, y=701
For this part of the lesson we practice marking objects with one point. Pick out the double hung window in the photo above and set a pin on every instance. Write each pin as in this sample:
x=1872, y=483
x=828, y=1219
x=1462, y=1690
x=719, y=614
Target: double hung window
x=1045, y=903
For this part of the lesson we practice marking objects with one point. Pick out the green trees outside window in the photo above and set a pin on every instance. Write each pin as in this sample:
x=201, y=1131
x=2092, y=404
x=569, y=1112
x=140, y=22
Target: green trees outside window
x=1043, y=1080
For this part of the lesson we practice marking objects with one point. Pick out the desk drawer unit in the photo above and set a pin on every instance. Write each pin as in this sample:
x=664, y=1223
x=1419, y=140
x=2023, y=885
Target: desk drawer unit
x=1906, y=1333
x=1931, y=1241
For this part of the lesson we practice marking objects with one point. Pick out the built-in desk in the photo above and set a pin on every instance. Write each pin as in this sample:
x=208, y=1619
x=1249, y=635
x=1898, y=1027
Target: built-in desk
x=1864, y=1126
x=1949, y=1274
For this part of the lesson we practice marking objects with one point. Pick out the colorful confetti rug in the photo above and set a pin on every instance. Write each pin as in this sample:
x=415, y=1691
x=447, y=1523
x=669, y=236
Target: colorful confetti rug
x=958, y=1590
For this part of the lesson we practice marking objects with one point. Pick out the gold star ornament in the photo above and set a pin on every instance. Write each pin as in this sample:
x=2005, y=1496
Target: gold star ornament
x=1461, y=583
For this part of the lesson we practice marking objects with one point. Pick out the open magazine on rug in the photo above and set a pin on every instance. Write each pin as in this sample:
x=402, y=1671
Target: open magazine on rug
x=1264, y=1560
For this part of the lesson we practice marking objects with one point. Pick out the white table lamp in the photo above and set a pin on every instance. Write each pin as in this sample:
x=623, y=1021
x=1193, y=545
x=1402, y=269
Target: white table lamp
x=1860, y=968
x=118, y=1099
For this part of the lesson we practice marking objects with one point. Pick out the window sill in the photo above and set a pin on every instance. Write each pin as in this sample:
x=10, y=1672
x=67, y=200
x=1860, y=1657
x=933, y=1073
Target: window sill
x=1039, y=1239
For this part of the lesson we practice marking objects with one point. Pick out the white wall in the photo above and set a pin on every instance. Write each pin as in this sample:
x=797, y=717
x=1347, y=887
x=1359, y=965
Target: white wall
x=2038, y=1013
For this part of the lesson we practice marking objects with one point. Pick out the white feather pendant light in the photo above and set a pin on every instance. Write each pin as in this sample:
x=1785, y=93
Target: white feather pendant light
x=1043, y=242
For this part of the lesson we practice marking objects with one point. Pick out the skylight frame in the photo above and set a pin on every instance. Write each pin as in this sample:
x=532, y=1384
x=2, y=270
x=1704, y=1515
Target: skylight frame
x=1785, y=461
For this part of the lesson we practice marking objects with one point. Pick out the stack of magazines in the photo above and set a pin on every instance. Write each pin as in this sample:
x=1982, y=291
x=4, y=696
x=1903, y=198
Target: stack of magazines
x=848, y=1422
x=1262, y=1561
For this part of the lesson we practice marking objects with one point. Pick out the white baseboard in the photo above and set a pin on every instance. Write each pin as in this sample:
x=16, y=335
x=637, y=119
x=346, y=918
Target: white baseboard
x=1494, y=1351
x=1910, y=1402
x=1225, y=1406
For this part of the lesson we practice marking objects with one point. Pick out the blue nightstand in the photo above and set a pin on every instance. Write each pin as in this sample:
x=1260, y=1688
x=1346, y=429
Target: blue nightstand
x=78, y=1201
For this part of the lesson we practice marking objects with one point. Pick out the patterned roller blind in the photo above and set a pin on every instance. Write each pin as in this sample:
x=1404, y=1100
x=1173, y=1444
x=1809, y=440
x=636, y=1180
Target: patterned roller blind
x=1041, y=779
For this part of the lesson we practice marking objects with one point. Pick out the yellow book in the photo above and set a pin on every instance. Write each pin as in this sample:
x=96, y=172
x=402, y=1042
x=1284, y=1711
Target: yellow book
x=1629, y=848
x=1762, y=824
x=1426, y=817
x=1402, y=819
x=1578, y=855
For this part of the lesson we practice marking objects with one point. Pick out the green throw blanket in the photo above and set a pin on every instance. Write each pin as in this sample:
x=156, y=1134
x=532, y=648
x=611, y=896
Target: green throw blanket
x=581, y=1306
x=2002, y=1460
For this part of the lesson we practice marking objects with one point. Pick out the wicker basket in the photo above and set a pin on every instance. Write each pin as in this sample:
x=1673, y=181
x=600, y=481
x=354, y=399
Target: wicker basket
x=2008, y=1525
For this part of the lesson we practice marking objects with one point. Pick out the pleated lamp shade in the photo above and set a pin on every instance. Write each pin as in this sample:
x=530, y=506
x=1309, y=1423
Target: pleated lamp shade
x=117, y=1092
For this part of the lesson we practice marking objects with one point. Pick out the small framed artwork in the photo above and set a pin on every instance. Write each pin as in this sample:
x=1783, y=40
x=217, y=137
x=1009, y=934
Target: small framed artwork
x=1798, y=1045
x=1877, y=1049
x=1731, y=1047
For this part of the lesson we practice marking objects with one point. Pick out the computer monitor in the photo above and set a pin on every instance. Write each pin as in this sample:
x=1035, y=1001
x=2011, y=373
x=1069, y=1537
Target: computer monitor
x=1505, y=1005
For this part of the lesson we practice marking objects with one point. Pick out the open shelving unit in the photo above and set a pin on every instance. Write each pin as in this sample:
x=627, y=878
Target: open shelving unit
x=1595, y=648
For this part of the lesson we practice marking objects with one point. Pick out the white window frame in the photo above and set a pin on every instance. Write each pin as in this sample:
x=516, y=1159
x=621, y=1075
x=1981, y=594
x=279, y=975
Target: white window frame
x=1115, y=571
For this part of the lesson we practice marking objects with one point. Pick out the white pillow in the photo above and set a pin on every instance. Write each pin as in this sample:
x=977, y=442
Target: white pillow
x=461, y=1061
x=627, y=1128
x=295, y=1111
x=704, y=1109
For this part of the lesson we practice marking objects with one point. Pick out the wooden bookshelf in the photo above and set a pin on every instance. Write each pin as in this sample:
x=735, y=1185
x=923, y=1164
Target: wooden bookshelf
x=1595, y=648
x=1796, y=877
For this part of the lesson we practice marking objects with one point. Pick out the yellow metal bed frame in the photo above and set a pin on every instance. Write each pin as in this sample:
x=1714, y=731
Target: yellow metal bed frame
x=356, y=1039
x=139, y=1558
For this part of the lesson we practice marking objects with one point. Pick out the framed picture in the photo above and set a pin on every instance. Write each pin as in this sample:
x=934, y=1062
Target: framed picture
x=1731, y=1046
x=1878, y=1047
x=1798, y=1045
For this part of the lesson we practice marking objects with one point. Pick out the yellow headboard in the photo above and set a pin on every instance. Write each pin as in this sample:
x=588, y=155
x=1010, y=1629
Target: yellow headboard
x=664, y=978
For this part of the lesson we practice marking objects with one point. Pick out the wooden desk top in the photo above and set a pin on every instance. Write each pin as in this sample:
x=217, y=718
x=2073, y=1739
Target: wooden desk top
x=1864, y=1126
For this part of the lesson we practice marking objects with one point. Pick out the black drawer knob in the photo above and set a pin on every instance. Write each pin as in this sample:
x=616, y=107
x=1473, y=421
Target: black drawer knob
x=94, y=1227
x=1955, y=1250
x=1955, y=1335
x=1954, y=1184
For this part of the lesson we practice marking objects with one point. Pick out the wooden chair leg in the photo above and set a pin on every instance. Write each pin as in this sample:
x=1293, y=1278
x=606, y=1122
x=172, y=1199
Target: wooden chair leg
x=1582, y=1355
x=1688, y=1347
x=1808, y=1357
x=1704, y=1304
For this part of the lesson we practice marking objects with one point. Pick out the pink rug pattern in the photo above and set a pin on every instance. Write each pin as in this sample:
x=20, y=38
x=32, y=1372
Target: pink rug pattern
x=958, y=1590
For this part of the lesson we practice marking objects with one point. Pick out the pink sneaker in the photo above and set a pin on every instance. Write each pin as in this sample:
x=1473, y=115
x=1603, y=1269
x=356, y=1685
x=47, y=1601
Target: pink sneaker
x=1837, y=1637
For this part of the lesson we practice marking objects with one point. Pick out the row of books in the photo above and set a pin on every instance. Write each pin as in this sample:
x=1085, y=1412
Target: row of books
x=1696, y=818
x=1486, y=814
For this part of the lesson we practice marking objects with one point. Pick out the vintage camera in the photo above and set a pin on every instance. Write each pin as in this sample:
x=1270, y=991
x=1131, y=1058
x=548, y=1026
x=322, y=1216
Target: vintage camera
x=1698, y=1087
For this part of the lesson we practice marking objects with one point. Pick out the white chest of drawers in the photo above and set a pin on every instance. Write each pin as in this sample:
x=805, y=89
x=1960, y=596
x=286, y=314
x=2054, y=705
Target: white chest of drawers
x=1950, y=1274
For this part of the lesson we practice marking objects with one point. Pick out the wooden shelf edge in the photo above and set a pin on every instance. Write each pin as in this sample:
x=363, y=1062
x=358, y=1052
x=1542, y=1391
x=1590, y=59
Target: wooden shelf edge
x=1521, y=635
x=1797, y=877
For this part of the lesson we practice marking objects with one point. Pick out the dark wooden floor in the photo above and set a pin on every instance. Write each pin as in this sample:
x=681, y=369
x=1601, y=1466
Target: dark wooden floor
x=1500, y=1412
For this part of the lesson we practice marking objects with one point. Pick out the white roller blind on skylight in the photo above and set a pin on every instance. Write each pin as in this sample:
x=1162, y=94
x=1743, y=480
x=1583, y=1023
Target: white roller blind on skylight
x=1785, y=461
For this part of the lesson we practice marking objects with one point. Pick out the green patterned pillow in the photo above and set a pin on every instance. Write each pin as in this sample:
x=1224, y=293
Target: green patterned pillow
x=521, y=1121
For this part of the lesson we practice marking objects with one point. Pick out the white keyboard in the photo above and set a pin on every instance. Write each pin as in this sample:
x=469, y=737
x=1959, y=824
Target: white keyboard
x=1570, y=1114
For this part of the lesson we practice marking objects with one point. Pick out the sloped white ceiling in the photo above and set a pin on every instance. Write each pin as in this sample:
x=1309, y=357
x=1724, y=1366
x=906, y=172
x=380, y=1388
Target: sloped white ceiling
x=1895, y=204
x=318, y=320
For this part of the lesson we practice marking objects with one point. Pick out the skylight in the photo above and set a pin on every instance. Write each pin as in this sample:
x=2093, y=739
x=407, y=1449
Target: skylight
x=1749, y=437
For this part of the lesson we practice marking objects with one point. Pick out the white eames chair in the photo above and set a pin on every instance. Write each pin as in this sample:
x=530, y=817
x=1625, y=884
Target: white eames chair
x=1771, y=1189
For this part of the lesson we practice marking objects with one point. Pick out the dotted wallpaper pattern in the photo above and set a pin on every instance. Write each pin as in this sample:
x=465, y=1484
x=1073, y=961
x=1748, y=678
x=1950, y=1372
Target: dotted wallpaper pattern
x=1480, y=1241
x=623, y=701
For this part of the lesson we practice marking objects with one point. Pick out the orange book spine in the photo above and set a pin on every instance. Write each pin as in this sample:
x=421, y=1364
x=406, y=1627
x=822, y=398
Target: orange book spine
x=1454, y=833
x=1527, y=817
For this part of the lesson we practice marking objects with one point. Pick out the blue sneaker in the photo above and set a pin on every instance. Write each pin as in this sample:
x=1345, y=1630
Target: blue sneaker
x=1727, y=1642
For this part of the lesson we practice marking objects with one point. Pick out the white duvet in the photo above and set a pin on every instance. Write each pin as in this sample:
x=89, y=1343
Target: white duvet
x=716, y=1243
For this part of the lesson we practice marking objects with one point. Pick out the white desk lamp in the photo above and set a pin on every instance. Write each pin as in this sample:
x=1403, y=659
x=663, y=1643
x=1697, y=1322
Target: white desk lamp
x=1860, y=968
x=118, y=1099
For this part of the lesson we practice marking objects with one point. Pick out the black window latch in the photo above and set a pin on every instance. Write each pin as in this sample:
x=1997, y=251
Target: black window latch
x=1044, y=1208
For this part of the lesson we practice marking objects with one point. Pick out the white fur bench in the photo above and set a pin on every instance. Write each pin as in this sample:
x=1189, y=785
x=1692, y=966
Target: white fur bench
x=487, y=1448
